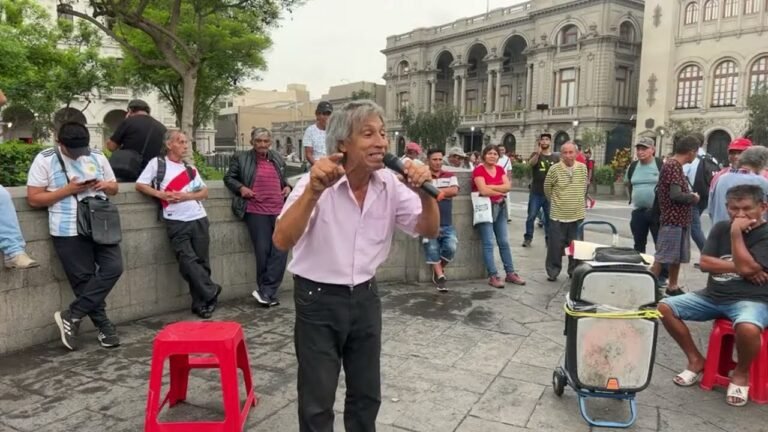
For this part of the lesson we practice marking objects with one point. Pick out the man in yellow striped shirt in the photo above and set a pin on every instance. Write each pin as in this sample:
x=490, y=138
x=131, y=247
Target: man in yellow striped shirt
x=565, y=187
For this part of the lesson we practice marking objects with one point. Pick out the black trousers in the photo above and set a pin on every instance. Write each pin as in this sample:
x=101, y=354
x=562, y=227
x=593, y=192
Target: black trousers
x=560, y=236
x=270, y=261
x=92, y=271
x=641, y=224
x=190, y=240
x=335, y=326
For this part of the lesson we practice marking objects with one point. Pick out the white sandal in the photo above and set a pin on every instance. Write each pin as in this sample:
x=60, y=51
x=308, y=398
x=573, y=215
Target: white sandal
x=687, y=378
x=740, y=393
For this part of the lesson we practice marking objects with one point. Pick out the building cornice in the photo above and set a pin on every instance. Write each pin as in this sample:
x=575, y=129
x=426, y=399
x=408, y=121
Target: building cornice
x=553, y=10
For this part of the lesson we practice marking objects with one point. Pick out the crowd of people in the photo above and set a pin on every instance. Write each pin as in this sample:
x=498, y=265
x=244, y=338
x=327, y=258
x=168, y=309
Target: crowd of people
x=339, y=220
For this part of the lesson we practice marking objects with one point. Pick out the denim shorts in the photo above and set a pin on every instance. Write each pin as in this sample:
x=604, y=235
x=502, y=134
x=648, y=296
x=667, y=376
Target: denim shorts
x=443, y=247
x=695, y=307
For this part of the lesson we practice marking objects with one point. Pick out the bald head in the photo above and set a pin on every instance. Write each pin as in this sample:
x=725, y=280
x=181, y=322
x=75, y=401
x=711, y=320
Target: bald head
x=568, y=153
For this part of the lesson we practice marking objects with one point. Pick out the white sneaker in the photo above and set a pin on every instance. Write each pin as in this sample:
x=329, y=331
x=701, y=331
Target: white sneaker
x=259, y=298
x=21, y=261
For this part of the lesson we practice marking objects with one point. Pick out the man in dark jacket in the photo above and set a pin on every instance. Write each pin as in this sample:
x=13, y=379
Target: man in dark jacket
x=139, y=132
x=257, y=178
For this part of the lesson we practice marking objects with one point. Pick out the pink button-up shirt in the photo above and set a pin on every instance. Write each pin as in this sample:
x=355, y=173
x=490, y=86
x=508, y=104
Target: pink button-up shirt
x=344, y=245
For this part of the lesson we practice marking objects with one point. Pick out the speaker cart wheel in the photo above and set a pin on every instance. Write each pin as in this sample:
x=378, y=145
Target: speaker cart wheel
x=558, y=382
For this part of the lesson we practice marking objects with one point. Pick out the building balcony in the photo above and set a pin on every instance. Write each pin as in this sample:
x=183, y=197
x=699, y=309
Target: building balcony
x=562, y=112
x=117, y=93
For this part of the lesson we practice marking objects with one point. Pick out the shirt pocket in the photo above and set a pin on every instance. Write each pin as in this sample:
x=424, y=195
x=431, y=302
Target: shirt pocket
x=375, y=229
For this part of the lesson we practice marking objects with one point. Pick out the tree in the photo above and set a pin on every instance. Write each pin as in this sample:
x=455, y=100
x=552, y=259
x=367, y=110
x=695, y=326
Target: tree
x=430, y=128
x=593, y=138
x=47, y=64
x=362, y=94
x=758, y=116
x=681, y=128
x=185, y=37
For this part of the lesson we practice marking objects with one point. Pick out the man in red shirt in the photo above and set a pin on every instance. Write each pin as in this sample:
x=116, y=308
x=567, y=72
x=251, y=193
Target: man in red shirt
x=257, y=178
x=440, y=251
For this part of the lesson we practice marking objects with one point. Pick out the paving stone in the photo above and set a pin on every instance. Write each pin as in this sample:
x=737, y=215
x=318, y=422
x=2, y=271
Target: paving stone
x=750, y=418
x=420, y=370
x=421, y=332
x=442, y=349
x=491, y=353
x=680, y=421
x=528, y=373
x=508, y=401
x=13, y=398
x=91, y=419
x=539, y=351
x=554, y=413
x=6, y=428
x=474, y=424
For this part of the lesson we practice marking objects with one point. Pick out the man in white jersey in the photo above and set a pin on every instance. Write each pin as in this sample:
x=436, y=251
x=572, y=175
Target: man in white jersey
x=314, y=136
x=58, y=179
x=180, y=189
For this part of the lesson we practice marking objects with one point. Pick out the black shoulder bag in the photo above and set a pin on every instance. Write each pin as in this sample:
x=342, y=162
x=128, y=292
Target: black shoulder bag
x=97, y=217
x=126, y=163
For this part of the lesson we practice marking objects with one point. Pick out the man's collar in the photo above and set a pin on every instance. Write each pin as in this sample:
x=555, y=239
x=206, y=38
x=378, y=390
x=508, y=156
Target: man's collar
x=374, y=180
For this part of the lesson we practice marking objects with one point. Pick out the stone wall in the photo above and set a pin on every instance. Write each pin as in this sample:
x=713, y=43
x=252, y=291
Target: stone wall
x=151, y=283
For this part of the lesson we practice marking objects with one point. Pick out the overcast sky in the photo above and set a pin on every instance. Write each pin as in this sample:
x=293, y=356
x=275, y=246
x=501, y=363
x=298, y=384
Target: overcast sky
x=329, y=42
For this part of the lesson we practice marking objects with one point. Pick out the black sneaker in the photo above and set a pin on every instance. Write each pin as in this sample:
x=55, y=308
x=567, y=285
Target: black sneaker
x=527, y=243
x=108, y=336
x=440, y=283
x=68, y=328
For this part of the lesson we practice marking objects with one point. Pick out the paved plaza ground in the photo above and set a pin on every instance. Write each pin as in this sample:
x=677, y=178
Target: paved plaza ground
x=475, y=359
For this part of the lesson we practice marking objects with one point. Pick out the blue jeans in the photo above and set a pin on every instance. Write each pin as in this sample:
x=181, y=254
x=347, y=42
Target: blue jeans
x=695, y=307
x=498, y=229
x=443, y=247
x=697, y=234
x=11, y=241
x=536, y=202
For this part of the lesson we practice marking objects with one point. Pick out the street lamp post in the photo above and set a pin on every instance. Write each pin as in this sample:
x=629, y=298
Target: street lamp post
x=472, y=139
x=575, y=129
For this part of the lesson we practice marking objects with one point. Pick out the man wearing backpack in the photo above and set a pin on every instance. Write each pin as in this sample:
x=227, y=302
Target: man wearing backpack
x=180, y=189
x=700, y=173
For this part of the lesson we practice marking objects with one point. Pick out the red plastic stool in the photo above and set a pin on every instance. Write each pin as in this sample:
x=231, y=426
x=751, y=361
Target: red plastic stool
x=720, y=362
x=224, y=343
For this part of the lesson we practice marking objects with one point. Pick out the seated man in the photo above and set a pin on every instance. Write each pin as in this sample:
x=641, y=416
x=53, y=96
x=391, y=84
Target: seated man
x=440, y=251
x=736, y=257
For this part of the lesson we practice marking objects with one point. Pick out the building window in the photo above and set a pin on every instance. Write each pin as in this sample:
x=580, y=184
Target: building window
x=403, y=68
x=627, y=32
x=726, y=84
x=567, y=88
x=758, y=75
x=689, y=84
x=569, y=35
x=751, y=7
x=730, y=8
x=471, y=102
x=691, y=13
x=505, y=94
x=711, y=9
x=622, y=86
x=403, y=99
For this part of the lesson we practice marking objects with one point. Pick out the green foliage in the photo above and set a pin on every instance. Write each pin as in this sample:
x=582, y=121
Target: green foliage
x=430, y=129
x=521, y=170
x=362, y=94
x=206, y=171
x=604, y=175
x=592, y=138
x=758, y=116
x=46, y=65
x=15, y=159
x=192, y=52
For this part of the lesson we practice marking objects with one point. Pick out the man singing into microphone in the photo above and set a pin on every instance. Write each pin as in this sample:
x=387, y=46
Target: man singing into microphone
x=340, y=220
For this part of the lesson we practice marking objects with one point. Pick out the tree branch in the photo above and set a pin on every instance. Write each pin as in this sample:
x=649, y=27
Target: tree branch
x=175, y=13
x=122, y=41
x=141, y=7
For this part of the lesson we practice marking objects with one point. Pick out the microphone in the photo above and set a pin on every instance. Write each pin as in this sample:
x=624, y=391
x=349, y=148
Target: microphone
x=392, y=162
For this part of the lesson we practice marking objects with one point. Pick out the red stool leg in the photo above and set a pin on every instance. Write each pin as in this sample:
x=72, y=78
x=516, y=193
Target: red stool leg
x=229, y=389
x=711, y=365
x=179, y=378
x=758, y=375
x=153, y=396
x=245, y=366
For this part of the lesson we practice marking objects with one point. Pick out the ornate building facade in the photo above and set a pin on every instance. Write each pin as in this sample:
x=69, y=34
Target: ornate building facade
x=515, y=72
x=701, y=61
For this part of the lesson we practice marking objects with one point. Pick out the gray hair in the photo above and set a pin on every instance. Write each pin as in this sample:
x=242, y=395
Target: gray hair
x=575, y=146
x=755, y=157
x=260, y=131
x=171, y=134
x=345, y=120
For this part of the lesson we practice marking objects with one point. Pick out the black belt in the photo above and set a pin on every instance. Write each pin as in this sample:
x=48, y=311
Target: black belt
x=365, y=284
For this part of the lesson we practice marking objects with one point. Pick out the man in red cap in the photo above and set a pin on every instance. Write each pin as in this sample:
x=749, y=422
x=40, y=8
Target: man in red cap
x=735, y=149
x=412, y=152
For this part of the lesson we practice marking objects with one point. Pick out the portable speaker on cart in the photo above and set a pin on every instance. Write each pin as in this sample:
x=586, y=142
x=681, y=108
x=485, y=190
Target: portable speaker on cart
x=610, y=344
